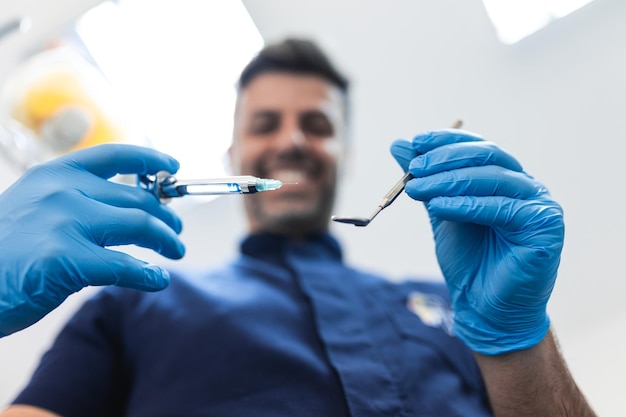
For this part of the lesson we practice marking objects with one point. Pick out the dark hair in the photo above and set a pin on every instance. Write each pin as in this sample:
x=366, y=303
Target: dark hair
x=298, y=56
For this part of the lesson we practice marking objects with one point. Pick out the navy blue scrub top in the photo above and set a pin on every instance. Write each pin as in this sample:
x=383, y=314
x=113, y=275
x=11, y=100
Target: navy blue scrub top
x=286, y=329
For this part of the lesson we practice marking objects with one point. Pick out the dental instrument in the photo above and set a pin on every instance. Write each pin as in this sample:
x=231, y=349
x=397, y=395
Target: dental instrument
x=387, y=199
x=166, y=186
x=385, y=202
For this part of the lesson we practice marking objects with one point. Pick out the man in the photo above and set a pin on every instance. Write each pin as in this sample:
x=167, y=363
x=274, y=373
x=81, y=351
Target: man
x=287, y=329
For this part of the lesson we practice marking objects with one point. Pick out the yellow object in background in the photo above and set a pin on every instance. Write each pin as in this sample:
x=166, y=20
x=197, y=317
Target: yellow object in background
x=61, y=96
x=59, y=103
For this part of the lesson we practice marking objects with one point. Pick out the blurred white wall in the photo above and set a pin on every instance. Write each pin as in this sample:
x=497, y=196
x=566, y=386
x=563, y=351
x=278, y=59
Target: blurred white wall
x=43, y=21
x=555, y=100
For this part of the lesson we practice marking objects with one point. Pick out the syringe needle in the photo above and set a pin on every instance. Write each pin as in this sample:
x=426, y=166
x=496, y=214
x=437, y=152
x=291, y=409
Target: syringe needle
x=166, y=186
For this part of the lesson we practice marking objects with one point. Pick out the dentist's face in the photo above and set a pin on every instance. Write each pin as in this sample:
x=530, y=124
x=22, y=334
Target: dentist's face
x=289, y=127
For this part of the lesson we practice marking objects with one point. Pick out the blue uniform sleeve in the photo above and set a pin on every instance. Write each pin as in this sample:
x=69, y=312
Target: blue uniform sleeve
x=83, y=373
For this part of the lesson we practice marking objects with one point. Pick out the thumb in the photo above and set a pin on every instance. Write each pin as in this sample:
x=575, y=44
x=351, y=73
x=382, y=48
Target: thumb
x=403, y=153
x=124, y=270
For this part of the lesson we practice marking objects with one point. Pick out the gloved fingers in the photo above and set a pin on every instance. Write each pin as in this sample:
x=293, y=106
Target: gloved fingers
x=427, y=141
x=403, y=153
x=117, y=268
x=460, y=155
x=510, y=214
x=447, y=149
x=115, y=226
x=108, y=160
x=474, y=181
x=125, y=196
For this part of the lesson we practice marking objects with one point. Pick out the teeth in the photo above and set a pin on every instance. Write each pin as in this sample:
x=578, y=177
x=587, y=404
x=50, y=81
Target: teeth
x=289, y=176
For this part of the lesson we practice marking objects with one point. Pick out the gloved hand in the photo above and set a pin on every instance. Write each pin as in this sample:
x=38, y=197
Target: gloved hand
x=57, y=219
x=498, y=236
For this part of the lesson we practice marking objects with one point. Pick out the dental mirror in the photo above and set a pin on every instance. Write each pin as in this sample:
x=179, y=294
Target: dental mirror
x=387, y=199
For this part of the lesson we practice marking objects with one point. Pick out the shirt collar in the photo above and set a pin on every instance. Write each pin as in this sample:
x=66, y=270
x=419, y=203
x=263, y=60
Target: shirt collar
x=269, y=246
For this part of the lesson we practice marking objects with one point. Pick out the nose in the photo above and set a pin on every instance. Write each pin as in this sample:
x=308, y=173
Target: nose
x=291, y=135
x=297, y=137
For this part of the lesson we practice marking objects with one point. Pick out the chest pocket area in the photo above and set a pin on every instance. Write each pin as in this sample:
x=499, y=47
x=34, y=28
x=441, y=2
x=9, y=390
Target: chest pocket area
x=422, y=319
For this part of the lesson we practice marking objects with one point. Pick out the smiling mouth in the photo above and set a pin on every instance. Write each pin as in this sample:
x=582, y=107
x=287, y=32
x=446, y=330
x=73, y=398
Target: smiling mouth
x=290, y=176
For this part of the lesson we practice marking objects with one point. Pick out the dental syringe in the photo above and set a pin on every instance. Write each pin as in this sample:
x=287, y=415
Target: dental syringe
x=166, y=186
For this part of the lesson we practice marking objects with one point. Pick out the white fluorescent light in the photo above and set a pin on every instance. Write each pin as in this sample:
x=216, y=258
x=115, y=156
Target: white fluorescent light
x=516, y=19
x=176, y=62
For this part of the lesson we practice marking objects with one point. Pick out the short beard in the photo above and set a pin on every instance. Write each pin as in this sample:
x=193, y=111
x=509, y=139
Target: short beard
x=312, y=219
x=298, y=223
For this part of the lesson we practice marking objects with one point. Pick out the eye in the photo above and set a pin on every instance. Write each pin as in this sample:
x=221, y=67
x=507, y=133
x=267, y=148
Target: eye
x=264, y=123
x=316, y=124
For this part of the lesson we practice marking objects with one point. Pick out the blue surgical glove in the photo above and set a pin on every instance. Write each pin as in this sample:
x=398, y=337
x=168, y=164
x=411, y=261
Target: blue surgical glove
x=498, y=236
x=57, y=219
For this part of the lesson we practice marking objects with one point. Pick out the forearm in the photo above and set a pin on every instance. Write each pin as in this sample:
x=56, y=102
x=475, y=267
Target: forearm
x=26, y=411
x=533, y=382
